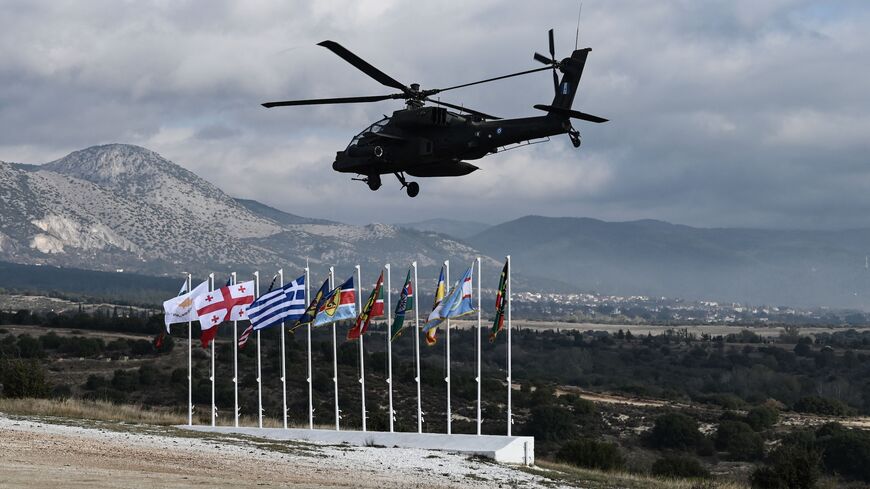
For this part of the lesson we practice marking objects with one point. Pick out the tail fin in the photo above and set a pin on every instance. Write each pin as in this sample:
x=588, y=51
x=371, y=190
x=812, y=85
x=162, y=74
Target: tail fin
x=572, y=69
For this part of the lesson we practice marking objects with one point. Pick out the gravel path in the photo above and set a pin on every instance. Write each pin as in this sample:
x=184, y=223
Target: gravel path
x=38, y=453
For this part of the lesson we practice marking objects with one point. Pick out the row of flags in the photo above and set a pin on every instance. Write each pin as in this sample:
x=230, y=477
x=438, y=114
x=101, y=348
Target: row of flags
x=286, y=304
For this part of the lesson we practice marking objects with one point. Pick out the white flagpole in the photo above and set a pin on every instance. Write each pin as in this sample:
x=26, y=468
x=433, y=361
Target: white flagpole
x=213, y=407
x=236, y=364
x=362, y=371
x=510, y=420
x=334, y=355
x=310, y=390
x=479, y=329
x=447, y=328
x=189, y=362
x=259, y=362
x=417, y=379
x=283, y=358
x=389, y=347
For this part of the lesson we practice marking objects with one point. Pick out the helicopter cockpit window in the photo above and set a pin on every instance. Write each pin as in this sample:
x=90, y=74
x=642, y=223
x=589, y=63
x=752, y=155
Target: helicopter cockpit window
x=374, y=128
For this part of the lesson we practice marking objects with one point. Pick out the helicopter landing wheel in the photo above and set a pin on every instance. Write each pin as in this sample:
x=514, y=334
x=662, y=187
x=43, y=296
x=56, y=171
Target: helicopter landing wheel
x=373, y=181
x=413, y=189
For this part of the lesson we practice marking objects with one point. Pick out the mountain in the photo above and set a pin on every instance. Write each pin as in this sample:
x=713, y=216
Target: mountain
x=450, y=227
x=798, y=268
x=125, y=207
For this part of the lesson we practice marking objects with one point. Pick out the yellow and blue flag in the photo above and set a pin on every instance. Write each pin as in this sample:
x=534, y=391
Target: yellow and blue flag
x=435, y=318
x=339, y=304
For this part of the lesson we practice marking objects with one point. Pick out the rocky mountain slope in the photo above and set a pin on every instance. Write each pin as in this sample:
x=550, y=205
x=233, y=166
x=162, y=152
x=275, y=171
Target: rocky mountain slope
x=125, y=207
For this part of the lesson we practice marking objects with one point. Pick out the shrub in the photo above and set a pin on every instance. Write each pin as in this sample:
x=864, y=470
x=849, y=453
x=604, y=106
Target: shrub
x=789, y=467
x=50, y=341
x=95, y=382
x=845, y=452
x=591, y=454
x=675, y=430
x=739, y=440
x=821, y=405
x=678, y=466
x=61, y=391
x=22, y=378
x=762, y=417
x=125, y=380
x=30, y=347
x=550, y=423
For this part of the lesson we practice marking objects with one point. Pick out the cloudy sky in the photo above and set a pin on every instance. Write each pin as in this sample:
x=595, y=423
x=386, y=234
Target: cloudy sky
x=751, y=113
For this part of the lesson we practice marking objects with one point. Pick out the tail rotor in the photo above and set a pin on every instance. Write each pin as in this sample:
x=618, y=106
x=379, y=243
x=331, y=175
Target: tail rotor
x=550, y=61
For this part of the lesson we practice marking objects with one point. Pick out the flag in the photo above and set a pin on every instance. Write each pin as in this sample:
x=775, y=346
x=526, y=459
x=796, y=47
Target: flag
x=339, y=304
x=286, y=303
x=500, y=301
x=431, y=327
x=180, y=309
x=458, y=303
x=378, y=306
x=368, y=311
x=405, y=304
x=228, y=303
x=311, y=310
x=243, y=339
x=158, y=340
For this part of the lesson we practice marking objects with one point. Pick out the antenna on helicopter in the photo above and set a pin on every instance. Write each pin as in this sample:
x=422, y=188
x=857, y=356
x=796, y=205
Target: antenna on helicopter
x=577, y=34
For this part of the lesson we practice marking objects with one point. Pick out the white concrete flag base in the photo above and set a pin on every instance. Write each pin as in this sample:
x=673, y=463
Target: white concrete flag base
x=505, y=449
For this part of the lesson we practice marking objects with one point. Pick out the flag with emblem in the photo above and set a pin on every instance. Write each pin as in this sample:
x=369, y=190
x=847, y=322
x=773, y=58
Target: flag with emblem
x=458, y=303
x=500, y=301
x=368, y=311
x=435, y=318
x=311, y=311
x=405, y=304
x=180, y=309
x=286, y=303
x=229, y=303
x=339, y=304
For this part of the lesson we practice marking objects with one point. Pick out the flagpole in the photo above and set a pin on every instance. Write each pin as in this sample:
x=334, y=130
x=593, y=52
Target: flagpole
x=447, y=322
x=362, y=371
x=310, y=390
x=510, y=420
x=189, y=360
x=259, y=362
x=417, y=379
x=236, y=364
x=334, y=355
x=389, y=347
x=479, y=329
x=283, y=358
x=213, y=407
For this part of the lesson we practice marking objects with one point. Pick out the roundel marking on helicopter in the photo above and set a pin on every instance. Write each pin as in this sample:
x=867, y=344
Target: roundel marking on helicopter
x=498, y=130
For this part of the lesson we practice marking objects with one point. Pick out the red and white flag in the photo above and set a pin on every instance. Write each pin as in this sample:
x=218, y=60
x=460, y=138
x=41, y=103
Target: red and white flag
x=229, y=303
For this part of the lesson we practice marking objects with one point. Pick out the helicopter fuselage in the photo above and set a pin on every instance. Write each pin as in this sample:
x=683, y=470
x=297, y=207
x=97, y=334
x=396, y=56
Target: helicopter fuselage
x=433, y=142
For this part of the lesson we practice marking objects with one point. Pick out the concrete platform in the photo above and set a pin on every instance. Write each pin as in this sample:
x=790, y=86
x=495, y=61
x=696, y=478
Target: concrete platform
x=505, y=449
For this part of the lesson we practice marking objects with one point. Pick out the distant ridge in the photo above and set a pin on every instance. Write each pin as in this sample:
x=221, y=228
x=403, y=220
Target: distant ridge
x=451, y=227
x=798, y=268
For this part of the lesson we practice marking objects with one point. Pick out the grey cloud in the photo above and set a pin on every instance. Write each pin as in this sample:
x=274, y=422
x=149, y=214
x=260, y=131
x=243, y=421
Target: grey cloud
x=738, y=113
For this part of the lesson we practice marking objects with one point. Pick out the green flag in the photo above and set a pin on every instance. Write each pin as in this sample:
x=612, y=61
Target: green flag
x=500, y=300
x=406, y=303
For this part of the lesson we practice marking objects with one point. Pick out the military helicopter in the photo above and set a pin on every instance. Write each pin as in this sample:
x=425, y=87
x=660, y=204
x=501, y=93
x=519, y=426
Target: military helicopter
x=427, y=141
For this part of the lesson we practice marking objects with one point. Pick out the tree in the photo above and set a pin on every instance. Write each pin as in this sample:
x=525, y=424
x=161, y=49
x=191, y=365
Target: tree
x=675, y=430
x=739, y=440
x=550, y=423
x=762, y=417
x=22, y=378
x=789, y=467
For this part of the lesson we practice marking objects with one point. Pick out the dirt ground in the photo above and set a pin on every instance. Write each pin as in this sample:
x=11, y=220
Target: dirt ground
x=36, y=454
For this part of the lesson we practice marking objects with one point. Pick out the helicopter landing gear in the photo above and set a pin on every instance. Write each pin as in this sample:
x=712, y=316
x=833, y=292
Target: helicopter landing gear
x=574, y=134
x=412, y=187
x=373, y=181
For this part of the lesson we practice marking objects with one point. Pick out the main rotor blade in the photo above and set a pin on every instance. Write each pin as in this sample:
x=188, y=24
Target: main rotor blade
x=339, y=100
x=464, y=109
x=552, y=45
x=363, y=65
x=439, y=90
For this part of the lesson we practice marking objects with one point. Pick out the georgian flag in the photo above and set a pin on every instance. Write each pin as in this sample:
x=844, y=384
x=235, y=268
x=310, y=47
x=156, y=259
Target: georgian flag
x=229, y=303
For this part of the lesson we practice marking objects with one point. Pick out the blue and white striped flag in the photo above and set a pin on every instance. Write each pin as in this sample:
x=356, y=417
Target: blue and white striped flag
x=285, y=303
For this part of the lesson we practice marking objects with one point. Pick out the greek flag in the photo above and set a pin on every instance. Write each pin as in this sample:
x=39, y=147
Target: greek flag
x=285, y=303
